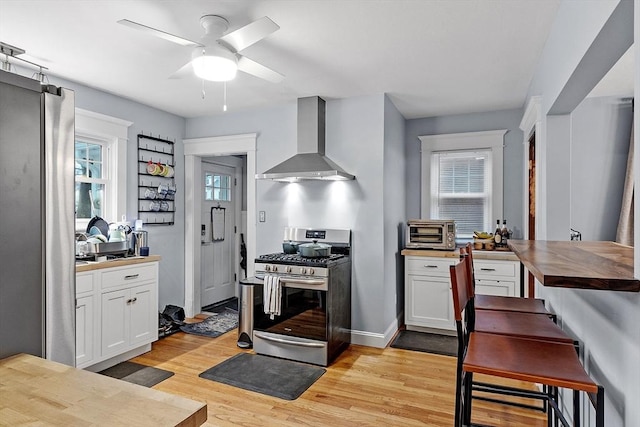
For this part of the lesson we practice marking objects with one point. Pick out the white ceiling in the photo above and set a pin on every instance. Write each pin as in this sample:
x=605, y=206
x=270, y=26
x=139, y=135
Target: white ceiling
x=431, y=57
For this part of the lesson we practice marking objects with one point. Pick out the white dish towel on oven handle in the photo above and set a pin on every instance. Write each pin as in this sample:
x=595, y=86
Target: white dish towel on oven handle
x=272, y=295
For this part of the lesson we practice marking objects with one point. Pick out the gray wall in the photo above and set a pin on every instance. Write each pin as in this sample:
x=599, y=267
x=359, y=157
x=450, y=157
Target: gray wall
x=166, y=241
x=601, y=128
x=513, y=156
x=395, y=195
x=605, y=322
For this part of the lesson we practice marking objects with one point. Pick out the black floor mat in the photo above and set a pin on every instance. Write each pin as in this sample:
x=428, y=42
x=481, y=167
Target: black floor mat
x=426, y=342
x=267, y=375
x=135, y=373
x=231, y=303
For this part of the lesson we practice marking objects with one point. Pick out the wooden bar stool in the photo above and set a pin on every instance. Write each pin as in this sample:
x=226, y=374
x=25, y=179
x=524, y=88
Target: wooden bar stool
x=550, y=363
x=505, y=303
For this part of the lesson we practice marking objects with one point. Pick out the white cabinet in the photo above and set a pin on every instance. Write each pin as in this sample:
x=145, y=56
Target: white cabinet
x=497, y=277
x=428, y=300
x=85, y=319
x=129, y=318
x=116, y=313
x=428, y=297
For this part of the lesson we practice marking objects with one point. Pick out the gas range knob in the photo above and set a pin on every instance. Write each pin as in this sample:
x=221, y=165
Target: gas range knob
x=287, y=269
x=274, y=268
x=267, y=268
x=312, y=271
x=303, y=270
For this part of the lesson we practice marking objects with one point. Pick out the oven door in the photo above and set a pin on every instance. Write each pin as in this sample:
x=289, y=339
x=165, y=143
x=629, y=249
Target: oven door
x=303, y=310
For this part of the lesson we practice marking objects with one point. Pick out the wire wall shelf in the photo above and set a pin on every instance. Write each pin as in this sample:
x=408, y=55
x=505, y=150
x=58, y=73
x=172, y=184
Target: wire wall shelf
x=156, y=182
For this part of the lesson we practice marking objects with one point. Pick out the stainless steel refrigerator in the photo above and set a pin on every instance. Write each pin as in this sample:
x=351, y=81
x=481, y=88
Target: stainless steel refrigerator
x=37, y=221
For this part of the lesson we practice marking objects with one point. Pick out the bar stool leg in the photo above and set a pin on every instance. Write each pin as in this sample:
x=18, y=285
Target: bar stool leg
x=468, y=398
x=576, y=408
x=599, y=404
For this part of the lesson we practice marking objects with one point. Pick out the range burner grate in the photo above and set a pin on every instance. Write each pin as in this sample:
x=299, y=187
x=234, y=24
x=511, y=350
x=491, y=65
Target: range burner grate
x=295, y=259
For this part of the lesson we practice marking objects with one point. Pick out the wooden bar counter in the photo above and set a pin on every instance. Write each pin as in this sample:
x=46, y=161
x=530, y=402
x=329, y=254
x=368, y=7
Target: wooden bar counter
x=35, y=391
x=578, y=264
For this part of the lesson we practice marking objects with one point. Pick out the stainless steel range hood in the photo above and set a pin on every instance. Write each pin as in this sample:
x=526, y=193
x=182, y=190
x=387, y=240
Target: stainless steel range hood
x=310, y=162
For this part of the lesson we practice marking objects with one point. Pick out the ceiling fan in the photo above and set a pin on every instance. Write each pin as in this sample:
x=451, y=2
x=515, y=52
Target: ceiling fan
x=216, y=56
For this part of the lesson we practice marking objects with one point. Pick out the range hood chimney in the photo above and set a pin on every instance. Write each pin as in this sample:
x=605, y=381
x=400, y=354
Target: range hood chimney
x=310, y=161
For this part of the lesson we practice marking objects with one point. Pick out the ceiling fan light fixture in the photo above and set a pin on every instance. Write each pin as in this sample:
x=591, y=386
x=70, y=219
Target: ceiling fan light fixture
x=214, y=64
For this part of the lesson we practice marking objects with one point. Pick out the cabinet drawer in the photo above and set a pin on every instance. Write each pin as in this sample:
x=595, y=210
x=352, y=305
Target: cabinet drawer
x=129, y=275
x=505, y=288
x=496, y=268
x=84, y=283
x=431, y=266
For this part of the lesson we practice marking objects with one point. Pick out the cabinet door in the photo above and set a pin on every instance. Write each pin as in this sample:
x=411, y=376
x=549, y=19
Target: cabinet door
x=429, y=302
x=144, y=315
x=85, y=314
x=115, y=322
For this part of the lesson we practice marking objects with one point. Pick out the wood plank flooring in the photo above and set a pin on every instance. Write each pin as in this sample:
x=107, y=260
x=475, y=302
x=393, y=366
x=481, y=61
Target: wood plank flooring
x=365, y=386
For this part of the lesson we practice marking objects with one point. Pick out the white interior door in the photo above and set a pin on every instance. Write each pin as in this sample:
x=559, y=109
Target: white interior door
x=217, y=234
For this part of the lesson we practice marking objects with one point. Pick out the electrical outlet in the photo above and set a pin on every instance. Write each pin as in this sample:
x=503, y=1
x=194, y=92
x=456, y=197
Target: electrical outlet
x=262, y=216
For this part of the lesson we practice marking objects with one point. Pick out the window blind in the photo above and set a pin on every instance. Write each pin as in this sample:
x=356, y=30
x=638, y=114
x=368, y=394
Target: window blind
x=461, y=189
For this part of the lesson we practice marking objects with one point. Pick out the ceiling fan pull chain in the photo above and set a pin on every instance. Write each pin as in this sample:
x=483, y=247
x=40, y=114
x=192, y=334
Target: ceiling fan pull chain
x=224, y=107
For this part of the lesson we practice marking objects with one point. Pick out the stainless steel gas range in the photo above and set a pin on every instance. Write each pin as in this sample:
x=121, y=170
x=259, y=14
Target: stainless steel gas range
x=313, y=294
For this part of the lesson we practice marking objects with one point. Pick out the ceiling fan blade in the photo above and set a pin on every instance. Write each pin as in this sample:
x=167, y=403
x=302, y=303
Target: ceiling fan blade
x=158, y=33
x=250, y=33
x=252, y=67
x=185, y=71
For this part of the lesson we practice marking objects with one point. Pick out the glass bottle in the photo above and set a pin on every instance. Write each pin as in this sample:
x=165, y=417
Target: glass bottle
x=497, y=235
x=505, y=233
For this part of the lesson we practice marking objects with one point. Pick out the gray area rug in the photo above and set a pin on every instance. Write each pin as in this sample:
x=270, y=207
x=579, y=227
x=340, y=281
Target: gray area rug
x=267, y=375
x=215, y=325
x=426, y=342
x=136, y=373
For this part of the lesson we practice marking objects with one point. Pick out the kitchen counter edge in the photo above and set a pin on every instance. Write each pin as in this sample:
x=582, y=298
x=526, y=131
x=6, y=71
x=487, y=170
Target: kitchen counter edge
x=477, y=254
x=118, y=262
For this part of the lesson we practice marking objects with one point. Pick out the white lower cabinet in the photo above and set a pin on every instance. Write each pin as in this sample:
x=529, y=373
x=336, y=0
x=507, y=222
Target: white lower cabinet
x=128, y=319
x=428, y=301
x=117, y=313
x=428, y=297
x=85, y=319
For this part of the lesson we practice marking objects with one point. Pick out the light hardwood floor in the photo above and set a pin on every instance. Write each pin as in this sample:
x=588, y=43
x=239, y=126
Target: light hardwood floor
x=365, y=386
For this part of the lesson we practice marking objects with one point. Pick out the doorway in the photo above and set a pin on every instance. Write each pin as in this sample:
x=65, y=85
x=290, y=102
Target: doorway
x=531, y=289
x=217, y=251
x=194, y=151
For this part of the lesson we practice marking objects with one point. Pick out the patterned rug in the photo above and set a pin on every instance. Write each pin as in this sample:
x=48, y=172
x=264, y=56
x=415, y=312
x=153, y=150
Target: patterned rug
x=215, y=325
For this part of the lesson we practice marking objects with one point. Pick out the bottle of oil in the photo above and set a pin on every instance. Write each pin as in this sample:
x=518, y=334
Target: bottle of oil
x=505, y=233
x=497, y=235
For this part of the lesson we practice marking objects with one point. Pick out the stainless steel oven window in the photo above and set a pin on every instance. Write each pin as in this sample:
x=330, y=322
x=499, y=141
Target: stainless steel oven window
x=303, y=314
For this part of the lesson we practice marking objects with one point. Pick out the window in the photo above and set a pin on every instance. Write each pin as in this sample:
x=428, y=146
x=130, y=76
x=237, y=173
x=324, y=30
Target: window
x=462, y=179
x=100, y=167
x=460, y=189
x=91, y=178
x=217, y=187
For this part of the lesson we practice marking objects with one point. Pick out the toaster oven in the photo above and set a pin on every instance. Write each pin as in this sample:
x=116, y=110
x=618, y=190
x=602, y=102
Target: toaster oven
x=431, y=234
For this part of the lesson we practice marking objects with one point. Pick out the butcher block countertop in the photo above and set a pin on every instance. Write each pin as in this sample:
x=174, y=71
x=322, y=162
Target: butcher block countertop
x=578, y=264
x=477, y=254
x=36, y=391
x=117, y=262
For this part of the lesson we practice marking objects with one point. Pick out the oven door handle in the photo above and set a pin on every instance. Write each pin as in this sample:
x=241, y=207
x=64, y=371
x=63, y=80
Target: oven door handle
x=291, y=342
x=295, y=281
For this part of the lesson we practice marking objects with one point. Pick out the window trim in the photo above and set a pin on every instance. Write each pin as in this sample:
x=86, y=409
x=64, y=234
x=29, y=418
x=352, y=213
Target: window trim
x=114, y=133
x=492, y=140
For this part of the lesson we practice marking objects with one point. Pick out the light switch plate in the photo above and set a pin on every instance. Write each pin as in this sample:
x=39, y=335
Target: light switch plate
x=262, y=217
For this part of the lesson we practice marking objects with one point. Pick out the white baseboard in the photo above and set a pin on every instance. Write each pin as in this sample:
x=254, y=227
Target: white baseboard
x=378, y=340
